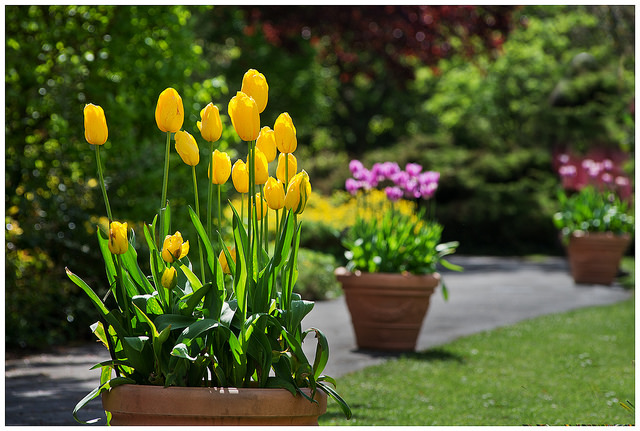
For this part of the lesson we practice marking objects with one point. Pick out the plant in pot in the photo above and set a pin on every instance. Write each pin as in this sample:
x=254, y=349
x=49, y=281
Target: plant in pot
x=223, y=346
x=595, y=223
x=393, y=253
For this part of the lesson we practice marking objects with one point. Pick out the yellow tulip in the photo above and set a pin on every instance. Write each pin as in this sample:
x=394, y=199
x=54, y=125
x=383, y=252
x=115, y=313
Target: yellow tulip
x=298, y=192
x=95, y=125
x=169, y=278
x=245, y=116
x=267, y=143
x=223, y=259
x=118, y=242
x=240, y=176
x=261, y=167
x=221, y=167
x=261, y=207
x=187, y=148
x=274, y=193
x=169, y=111
x=254, y=85
x=210, y=127
x=280, y=170
x=285, y=133
x=173, y=248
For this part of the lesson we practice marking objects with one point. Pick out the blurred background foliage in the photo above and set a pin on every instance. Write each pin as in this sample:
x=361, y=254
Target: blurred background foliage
x=485, y=95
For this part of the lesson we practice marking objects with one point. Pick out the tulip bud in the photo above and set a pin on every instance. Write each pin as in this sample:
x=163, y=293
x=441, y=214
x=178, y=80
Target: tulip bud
x=118, y=242
x=169, y=111
x=173, y=248
x=245, y=116
x=169, y=278
x=261, y=168
x=223, y=259
x=298, y=192
x=221, y=167
x=187, y=148
x=267, y=143
x=292, y=168
x=261, y=207
x=254, y=85
x=285, y=133
x=210, y=127
x=274, y=193
x=95, y=125
x=240, y=176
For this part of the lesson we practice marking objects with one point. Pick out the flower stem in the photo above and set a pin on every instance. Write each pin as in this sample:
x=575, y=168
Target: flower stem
x=210, y=194
x=195, y=192
x=219, y=209
x=165, y=180
x=102, y=186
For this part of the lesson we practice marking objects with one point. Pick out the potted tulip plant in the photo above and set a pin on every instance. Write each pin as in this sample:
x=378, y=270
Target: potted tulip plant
x=595, y=223
x=224, y=346
x=393, y=253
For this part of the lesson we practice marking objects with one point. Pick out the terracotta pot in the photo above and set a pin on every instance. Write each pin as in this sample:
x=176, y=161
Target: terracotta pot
x=156, y=405
x=387, y=310
x=594, y=258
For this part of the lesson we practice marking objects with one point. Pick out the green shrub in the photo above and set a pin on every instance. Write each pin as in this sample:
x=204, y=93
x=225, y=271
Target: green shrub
x=315, y=277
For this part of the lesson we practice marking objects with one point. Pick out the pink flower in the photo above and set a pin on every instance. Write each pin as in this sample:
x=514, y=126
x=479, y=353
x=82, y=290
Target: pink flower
x=429, y=177
x=622, y=181
x=393, y=193
x=352, y=186
x=400, y=179
x=428, y=190
x=567, y=171
x=356, y=167
x=413, y=169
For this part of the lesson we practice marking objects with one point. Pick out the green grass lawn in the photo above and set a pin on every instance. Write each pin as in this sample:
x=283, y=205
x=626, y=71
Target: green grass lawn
x=570, y=368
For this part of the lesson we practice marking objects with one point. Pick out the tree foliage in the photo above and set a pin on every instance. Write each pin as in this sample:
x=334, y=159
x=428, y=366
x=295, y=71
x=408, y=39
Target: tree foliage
x=57, y=59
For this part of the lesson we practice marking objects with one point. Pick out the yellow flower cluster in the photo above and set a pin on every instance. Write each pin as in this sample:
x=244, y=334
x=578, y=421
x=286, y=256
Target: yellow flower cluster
x=289, y=188
x=341, y=209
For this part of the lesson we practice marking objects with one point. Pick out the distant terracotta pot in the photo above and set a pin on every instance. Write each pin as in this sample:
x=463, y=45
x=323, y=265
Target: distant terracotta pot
x=594, y=257
x=387, y=310
x=156, y=405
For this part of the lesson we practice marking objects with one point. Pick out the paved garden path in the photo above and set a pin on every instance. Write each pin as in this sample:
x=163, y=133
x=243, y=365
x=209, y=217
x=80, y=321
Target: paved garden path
x=491, y=292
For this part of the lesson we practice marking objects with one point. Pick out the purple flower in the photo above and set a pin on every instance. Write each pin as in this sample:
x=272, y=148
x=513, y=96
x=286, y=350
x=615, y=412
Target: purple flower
x=352, y=186
x=377, y=171
x=567, y=171
x=393, y=193
x=400, y=179
x=389, y=169
x=355, y=166
x=369, y=179
x=622, y=181
x=412, y=189
x=357, y=169
x=413, y=169
x=563, y=159
x=429, y=177
x=428, y=190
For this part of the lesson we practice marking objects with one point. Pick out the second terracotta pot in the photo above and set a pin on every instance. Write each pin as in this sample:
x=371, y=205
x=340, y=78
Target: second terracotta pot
x=594, y=257
x=387, y=310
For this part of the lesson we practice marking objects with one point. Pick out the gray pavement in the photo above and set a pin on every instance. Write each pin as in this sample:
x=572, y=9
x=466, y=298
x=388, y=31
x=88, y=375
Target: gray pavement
x=490, y=293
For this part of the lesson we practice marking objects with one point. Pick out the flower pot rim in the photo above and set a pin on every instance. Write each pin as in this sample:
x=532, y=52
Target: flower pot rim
x=608, y=234
x=201, y=400
x=388, y=283
x=344, y=272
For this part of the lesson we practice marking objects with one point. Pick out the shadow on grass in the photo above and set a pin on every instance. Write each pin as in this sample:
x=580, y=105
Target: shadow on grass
x=436, y=354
